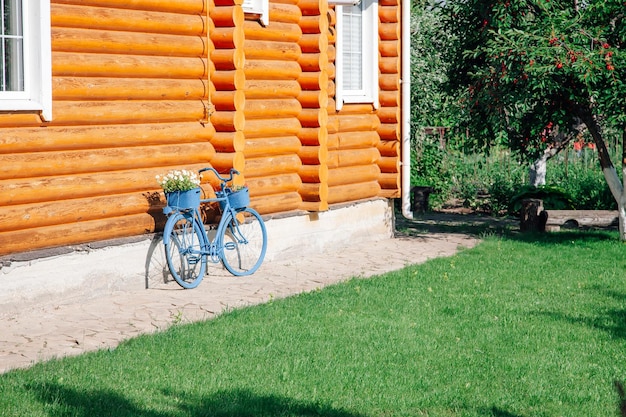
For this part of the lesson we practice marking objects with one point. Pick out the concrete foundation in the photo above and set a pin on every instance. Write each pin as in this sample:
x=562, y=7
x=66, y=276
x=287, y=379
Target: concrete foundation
x=94, y=270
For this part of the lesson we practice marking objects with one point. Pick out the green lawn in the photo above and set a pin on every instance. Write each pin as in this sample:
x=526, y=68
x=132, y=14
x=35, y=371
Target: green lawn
x=518, y=326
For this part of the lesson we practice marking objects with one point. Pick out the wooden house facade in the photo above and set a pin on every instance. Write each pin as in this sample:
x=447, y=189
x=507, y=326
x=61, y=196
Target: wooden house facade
x=134, y=88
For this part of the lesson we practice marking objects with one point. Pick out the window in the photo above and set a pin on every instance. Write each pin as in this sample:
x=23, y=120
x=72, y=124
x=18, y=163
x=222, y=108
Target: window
x=258, y=9
x=357, y=53
x=25, y=79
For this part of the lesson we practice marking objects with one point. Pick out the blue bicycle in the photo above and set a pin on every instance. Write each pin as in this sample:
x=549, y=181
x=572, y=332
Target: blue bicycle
x=240, y=240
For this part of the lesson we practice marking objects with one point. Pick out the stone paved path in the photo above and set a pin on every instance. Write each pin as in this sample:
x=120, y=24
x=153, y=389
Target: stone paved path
x=75, y=325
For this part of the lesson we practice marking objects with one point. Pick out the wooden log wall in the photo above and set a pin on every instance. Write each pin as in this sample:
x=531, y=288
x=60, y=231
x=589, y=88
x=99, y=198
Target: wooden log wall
x=389, y=15
x=130, y=86
x=144, y=86
x=353, y=140
x=272, y=146
x=314, y=100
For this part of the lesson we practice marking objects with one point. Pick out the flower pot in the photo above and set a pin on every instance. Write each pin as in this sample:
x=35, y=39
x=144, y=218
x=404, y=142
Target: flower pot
x=184, y=200
x=238, y=199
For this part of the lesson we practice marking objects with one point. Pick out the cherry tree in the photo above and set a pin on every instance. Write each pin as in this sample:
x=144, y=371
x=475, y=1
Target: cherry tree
x=541, y=71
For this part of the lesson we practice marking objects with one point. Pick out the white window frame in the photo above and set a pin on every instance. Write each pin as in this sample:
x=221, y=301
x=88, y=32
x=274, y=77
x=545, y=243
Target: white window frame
x=260, y=8
x=369, y=65
x=37, y=94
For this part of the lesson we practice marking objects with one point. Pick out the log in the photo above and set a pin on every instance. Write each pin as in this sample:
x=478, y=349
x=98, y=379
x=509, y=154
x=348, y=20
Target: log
x=21, y=120
x=389, y=14
x=228, y=121
x=276, y=184
x=389, y=114
x=581, y=219
x=390, y=181
x=19, y=140
x=352, y=175
x=352, y=192
x=313, y=206
x=273, y=145
x=228, y=59
x=314, y=99
x=28, y=216
x=389, y=132
x=173, y=6
x=98, y=18
x=389, y=164
x=132, y=43
x=75, y=162
x=314, y=192
x=314, y=174
x=358, y=122
x=272, y=108
x=276, y=32
x=352, y=157
x=389, y=193
x=255, y=89
x=313, y=43
x=276, y=203
x=313, y=155
x=279, y=51
x=260, y=69
x=389, y=65
x=313, y=136
x=272, y=165
x=121, y=112
x=228, y=80
x=225, y=142
x=99, y=88
x=111, y=65
x=389, y=148
x=284, y=13
x=263, y=128
x=311, y=7
x=389, y=82
x=312, y=24
x=76, y=233
x=226, y=38
x=312, y=118
x=67, y=187
x=389, y=31
x=314, y=81
x=228, y=100
x=389, y=48
x=389, y=98
x=313, y=62
x=227, y=16
x=354, y=140
x=532, y=216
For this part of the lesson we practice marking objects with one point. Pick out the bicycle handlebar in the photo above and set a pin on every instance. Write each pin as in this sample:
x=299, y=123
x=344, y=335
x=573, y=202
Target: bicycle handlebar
x=223, y=180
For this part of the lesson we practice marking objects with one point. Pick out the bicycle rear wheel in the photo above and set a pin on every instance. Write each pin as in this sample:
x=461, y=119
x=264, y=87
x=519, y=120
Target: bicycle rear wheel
x=184, y=242
x=244, y=242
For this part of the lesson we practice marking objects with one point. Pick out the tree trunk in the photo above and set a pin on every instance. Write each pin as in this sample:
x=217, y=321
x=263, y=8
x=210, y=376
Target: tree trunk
x=610, y=174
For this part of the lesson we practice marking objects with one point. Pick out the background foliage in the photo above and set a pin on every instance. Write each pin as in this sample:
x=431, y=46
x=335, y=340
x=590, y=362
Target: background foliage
x=479, y=163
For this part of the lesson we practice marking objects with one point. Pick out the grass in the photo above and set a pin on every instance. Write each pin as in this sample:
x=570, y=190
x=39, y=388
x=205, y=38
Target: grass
x=518, y=326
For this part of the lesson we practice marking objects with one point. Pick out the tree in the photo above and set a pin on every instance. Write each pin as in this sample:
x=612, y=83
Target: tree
x=532, y=68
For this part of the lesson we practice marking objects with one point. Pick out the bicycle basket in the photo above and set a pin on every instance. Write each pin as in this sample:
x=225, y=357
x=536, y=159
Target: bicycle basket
x=238, y=199
x=183, y=200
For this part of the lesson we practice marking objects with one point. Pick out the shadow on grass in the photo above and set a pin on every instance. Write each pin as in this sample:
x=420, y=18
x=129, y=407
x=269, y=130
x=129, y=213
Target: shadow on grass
x=612, y=321
x=480, y=226
x=63, y=401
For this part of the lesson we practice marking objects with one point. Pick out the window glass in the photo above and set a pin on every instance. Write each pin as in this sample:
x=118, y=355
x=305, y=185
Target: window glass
x=12, y=46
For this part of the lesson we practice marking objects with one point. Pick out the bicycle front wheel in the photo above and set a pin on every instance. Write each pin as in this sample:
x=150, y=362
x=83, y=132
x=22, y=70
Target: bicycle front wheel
x=184, y=242
x=244, y=242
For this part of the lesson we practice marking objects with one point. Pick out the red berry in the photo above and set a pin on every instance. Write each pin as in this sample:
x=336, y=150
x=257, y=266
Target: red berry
x=606, y=45
x=559, y=65
x=610, y=67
